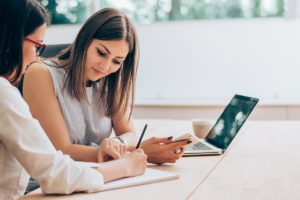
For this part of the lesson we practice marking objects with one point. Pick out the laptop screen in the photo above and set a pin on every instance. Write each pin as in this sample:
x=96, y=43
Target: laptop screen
x=230, y=121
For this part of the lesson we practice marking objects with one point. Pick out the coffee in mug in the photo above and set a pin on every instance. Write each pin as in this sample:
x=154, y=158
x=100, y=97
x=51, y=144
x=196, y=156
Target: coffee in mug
x=201, y=127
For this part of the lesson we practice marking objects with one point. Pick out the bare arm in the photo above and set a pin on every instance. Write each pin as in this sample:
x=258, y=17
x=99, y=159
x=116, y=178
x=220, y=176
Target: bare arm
x=159, y=150
x=38, y=92
x=133, y=164
x=123, y=126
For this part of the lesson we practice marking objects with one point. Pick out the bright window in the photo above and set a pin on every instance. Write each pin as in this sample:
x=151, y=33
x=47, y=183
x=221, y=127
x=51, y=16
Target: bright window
x=149, y=11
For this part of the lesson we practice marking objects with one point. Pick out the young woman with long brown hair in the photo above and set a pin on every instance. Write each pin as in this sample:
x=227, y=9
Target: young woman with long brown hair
x=87, y=90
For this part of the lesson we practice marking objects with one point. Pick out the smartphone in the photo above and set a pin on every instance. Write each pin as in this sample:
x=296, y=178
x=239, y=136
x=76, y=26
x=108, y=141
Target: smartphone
x=187, y=136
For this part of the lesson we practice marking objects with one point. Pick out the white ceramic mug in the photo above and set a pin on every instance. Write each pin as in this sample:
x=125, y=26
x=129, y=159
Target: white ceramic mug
x=201, y=127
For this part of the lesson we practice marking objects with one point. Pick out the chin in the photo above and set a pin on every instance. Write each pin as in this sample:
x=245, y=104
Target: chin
x=94, y=79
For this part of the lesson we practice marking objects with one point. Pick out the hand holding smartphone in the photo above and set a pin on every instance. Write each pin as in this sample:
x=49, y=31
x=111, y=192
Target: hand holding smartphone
x=187, y=136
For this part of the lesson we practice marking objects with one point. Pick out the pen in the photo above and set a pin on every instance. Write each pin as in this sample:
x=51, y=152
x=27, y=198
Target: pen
x=141, y=137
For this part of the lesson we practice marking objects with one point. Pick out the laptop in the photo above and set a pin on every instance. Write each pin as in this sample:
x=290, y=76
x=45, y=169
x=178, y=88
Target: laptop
x=226, y=127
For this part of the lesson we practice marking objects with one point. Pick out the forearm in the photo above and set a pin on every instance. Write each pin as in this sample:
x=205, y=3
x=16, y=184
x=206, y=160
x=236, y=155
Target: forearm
x=81, y=152
x=113, y=170
x=55, y=172
x=124, y=128
x=129, y=138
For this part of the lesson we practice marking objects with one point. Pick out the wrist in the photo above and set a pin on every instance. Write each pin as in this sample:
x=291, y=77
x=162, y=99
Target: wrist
x=100, y=156
x=125, y=167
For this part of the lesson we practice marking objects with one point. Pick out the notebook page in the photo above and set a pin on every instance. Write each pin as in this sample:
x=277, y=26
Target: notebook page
x=150, y=176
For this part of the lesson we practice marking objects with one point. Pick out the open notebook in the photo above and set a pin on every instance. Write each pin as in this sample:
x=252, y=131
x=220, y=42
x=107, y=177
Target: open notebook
x=150, y=176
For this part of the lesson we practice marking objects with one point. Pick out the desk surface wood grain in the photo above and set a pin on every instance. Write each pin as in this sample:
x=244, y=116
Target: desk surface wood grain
x=263, y=162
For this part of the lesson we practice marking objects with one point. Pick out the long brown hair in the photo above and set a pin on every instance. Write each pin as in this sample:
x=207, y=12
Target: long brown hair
x=116, y=90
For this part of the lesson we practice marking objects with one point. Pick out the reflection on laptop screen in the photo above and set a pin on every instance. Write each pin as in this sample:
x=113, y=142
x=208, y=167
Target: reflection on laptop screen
x=231, y=120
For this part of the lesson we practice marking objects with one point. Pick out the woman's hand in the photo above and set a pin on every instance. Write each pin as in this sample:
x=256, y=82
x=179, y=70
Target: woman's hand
x=131, y=164
x=110, y=149
x=135, y=162
x=162, y=150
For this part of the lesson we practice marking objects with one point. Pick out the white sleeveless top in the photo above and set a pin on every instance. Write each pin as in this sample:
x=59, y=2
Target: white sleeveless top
x=86, y=123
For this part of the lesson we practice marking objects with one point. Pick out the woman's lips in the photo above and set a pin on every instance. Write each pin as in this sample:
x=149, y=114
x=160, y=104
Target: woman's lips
x=97, y=71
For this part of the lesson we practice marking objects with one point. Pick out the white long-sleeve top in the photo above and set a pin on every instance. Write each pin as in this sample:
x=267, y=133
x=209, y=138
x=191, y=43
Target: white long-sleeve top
x=26, y=150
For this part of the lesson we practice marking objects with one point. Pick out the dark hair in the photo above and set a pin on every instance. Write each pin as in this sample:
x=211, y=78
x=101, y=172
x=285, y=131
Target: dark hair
x=117, y=89
x=12, y=18
x=18, y=19
x=37, y=15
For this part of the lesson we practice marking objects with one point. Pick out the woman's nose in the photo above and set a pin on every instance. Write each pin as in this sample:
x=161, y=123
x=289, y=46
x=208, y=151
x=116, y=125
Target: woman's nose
x=105, y=66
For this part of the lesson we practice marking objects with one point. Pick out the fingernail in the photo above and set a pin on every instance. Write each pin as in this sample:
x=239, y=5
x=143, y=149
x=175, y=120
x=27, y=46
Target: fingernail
x=170, y=138
x=189, y=142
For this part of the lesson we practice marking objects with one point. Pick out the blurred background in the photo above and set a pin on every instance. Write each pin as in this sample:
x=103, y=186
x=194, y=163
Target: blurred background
x=150, y=11
x=196, y=54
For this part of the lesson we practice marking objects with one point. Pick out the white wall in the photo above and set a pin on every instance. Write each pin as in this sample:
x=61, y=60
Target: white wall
x=209, y=61
x=261, y=112
x=203, y=63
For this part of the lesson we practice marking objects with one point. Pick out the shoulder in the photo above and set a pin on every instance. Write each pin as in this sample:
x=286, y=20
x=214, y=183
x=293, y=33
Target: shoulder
x=10, y=96
x=6, y=89
x=5, y=86
x=37, y=70
x=37, y=76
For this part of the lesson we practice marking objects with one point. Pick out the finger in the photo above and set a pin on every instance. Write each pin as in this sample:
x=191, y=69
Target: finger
x=106, y=141
x=172, y=158
x=185, y=147
x=180, y=144
x=181, y=140
x=114, y=154
x=101, y=157
x=139, y=150
x=124, y=149
x=179, y=153
x=117, y=147
x=123, y=153
x=145, y=158
x=167, y=140
x=106, y=158
x=157, y=140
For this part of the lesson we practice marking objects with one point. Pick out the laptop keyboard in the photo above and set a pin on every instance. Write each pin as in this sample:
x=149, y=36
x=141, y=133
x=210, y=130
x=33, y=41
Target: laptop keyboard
x=198, y=146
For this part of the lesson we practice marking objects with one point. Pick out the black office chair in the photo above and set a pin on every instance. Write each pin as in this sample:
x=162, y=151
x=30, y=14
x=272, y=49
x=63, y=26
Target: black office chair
x=53, y=50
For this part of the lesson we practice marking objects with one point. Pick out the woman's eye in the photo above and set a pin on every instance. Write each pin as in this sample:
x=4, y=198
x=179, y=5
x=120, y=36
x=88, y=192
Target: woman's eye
x=101, y=53
x=117, y=63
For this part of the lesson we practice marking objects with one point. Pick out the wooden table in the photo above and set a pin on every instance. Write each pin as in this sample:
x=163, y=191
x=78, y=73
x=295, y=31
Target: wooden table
x=263, y=162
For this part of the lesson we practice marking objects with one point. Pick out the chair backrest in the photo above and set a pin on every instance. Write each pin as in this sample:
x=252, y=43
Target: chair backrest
x=54, y=49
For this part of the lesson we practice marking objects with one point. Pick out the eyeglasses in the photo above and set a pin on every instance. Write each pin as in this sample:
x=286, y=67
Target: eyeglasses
x=39, y=46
